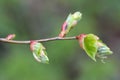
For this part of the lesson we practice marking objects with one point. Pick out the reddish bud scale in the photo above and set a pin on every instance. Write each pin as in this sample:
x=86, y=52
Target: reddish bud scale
x=81, y=39
x=32, y=43
x=10, y=36
x=63, y=28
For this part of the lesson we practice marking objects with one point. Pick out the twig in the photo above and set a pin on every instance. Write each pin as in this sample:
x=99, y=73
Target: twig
x=40, y=40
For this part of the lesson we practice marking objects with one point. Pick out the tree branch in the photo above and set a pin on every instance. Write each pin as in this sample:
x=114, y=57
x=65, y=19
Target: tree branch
x=40, y=40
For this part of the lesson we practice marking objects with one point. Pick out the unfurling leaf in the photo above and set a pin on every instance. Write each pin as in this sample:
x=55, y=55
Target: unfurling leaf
x=70, y=22
x=90, y=45
x=93, y=46
x=39, y=52
x=103, y=51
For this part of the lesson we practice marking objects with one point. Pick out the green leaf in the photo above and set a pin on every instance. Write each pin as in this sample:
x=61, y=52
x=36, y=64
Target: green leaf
x=39, y=53
x=90, y=45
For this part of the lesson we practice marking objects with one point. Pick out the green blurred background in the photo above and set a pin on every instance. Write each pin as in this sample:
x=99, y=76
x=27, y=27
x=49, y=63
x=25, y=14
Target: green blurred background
x=35, y=19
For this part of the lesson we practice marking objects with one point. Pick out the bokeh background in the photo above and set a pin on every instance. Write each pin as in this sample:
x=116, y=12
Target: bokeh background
x=37, y=19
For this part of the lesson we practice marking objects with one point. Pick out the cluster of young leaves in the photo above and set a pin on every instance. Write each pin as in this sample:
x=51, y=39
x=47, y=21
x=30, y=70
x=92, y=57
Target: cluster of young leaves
x=90, y=43
x=93, y=46
x=39, y=52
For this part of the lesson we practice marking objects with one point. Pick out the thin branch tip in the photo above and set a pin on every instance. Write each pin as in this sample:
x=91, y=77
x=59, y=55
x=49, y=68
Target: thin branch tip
x=39, y=40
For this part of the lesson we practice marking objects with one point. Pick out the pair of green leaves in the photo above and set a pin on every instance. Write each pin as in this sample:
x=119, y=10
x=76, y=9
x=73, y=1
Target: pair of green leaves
x=94, y=47
x=39, y=52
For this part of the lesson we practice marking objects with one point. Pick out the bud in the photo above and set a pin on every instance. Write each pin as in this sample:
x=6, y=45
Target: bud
x=70, y=22
x=39, y=52
x=10, y=36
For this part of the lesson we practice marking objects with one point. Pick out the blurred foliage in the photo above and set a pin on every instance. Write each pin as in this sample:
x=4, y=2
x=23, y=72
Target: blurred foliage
x=34, y=19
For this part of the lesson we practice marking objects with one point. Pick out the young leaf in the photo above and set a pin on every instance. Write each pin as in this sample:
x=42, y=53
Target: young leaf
x=103, y=50
x=90, y=45
x=39, y=52
x=70, y=22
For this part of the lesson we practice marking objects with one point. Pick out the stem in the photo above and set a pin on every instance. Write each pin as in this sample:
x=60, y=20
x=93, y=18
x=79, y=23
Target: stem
x=40, y=40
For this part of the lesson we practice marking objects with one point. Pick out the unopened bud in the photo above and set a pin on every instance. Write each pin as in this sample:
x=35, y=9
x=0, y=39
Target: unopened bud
x=10, y=36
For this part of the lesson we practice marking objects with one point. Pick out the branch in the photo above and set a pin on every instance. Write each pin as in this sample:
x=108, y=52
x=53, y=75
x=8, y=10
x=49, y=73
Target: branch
x=40, y=40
